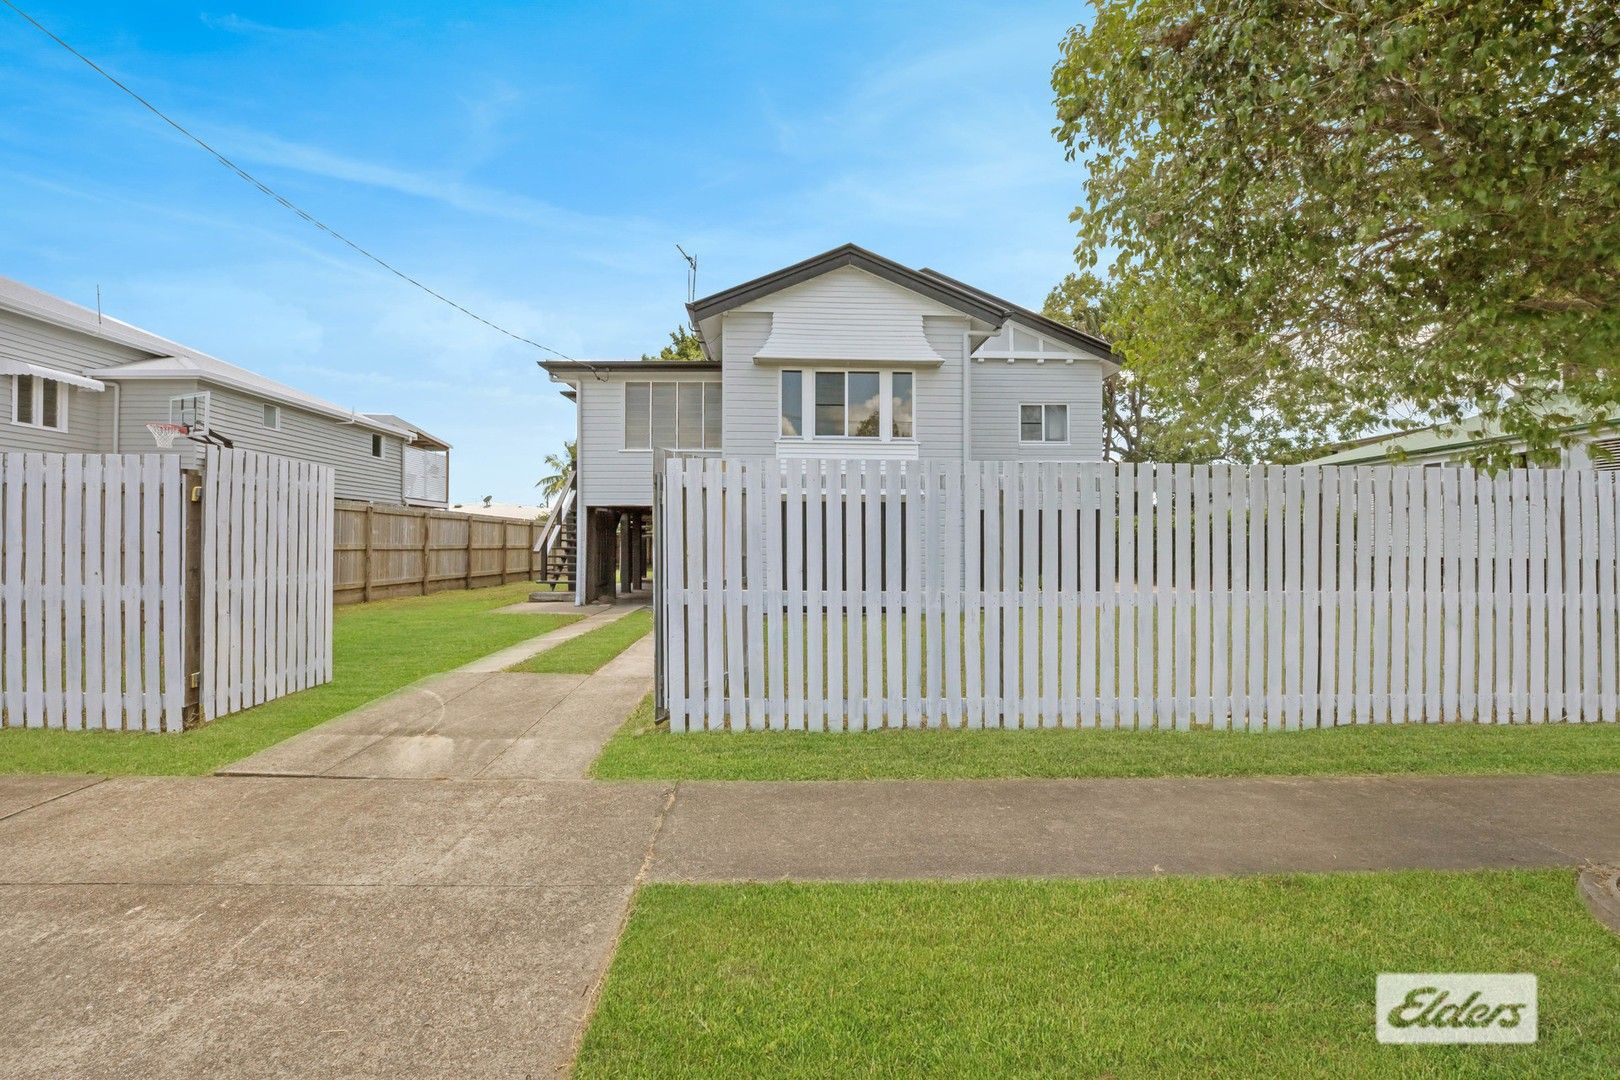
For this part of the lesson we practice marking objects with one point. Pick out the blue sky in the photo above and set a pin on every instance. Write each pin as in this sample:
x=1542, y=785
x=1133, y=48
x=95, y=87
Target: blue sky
x=536, y=162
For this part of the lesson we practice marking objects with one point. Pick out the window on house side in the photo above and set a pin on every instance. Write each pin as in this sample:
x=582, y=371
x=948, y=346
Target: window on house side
x=272, y=417
x=37, y=402
x=792, y=404
x=22, y=399
x=900, y=406
x=1057, y=423
x=690, y=420
x=663, y=415
x=49, y=414
x=1047, y=423
x=712, y=413
x=637, y=416
x=865, y=405
x=829, y=403
x=377, y=446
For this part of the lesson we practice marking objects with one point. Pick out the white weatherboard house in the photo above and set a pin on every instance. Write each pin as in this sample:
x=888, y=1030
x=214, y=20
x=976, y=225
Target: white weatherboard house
x=844, y=355
x=75, y=381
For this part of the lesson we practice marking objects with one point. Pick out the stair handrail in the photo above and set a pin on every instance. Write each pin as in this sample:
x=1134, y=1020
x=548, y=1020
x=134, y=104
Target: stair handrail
x=556, y=514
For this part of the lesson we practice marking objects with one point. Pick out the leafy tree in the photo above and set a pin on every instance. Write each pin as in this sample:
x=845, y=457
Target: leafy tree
x=1327, y=214
x=684, y=344
x=1136, y=427
x=560, y=465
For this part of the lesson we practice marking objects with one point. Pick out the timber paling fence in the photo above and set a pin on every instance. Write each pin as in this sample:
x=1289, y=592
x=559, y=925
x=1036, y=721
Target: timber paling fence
x=383, y=551
x=826, y=595
x=138, y=597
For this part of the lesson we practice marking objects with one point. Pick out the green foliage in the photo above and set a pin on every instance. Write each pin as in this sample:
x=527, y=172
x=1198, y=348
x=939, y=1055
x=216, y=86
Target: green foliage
x=683, y=345
x=1325, y=216
x=560, y=465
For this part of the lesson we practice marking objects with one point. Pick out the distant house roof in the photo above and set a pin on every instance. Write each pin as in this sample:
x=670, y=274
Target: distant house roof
x=930, y=283
x=170, y=359
x=421, y=439
x=1442, y=438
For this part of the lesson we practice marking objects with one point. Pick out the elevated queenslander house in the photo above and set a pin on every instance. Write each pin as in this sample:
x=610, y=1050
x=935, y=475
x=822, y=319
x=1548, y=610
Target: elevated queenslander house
x=844, y=355
x=75, y=381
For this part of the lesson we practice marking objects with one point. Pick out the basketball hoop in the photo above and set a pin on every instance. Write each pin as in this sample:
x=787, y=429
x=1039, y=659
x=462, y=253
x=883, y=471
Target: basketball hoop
x=164, y=434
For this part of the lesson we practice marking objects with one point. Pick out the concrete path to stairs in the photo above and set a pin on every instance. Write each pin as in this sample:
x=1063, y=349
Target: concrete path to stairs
x=479, y=721
x=458, y=920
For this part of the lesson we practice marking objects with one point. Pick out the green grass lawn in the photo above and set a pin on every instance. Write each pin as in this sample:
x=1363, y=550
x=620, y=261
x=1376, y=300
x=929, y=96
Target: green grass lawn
x=588, y=652
x=641, y=752
x=1227, y=977
x=377, y=648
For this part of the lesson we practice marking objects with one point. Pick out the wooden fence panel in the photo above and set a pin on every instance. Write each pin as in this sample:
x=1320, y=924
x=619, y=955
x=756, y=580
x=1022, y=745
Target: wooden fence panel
x=870, y=594
x=266, y=586
x=91, y=592
x=381, y=551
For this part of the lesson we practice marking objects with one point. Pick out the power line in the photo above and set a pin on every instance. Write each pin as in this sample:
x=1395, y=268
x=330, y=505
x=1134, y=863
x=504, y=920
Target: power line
x=277, y=196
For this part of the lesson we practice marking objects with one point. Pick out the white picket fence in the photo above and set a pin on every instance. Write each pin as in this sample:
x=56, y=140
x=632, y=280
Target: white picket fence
x=107, y=612
x=90, y=600
x=856, y=595
x=267, y=578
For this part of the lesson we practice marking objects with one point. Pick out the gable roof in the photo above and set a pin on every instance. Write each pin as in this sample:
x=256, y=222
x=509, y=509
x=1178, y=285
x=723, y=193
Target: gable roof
x=930, y=283
x=170, y=359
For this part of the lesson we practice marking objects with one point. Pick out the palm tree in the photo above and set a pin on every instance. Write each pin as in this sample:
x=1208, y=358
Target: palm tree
x=560, y=465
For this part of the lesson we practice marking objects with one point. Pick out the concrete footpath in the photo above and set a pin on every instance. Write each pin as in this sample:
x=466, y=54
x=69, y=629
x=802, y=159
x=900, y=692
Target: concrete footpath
x=347, y=924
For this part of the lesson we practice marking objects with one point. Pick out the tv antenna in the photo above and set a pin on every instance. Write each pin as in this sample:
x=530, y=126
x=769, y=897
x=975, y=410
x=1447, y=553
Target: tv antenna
x=691, y=273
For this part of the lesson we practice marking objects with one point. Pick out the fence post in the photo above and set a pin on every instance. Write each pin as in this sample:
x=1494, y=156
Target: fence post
x=427, y=547
x=191, y=710
x=470, y=531
x=365, y=588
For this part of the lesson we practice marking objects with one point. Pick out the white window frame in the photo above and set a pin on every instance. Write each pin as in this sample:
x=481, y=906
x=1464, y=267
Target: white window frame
x=36, y=402
x=205, y=401
x=703, y=426
x=1018, y=418
x=807, y=405
x=271, y=416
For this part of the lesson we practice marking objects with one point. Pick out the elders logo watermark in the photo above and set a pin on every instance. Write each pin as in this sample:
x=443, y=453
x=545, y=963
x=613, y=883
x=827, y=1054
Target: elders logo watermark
x=1456, y=1008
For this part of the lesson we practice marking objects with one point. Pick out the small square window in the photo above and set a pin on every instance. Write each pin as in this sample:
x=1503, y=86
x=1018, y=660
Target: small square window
x=272, y=417
x=1043, y=423
x=37, y=402
x=376, y=446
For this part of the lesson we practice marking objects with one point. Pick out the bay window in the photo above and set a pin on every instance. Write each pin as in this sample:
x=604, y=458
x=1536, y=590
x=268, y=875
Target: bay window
x=848, y=404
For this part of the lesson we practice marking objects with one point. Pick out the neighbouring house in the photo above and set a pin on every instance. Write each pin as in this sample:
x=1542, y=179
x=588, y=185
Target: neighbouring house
x=490, y=508
x=845, y=355
x=76, y=381
x=1592, y=445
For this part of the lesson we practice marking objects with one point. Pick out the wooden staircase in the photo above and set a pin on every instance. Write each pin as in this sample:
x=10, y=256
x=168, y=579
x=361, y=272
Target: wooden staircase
x=559, y=541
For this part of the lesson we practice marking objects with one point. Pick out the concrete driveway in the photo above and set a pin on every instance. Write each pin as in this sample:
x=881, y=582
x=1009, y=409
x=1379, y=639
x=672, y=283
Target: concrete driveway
x=477, y=722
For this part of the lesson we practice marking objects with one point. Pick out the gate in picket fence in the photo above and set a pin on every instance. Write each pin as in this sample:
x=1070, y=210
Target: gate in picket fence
x=135, y=596
x=807, y=594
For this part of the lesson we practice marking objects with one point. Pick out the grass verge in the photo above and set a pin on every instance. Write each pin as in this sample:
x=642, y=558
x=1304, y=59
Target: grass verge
x=588, y=652
x=640, y=752
x=1230, y=977
x=377, y=648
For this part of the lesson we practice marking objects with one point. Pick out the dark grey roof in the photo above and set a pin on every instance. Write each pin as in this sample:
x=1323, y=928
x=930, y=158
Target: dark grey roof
x=929, y=283
x=571, y=367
